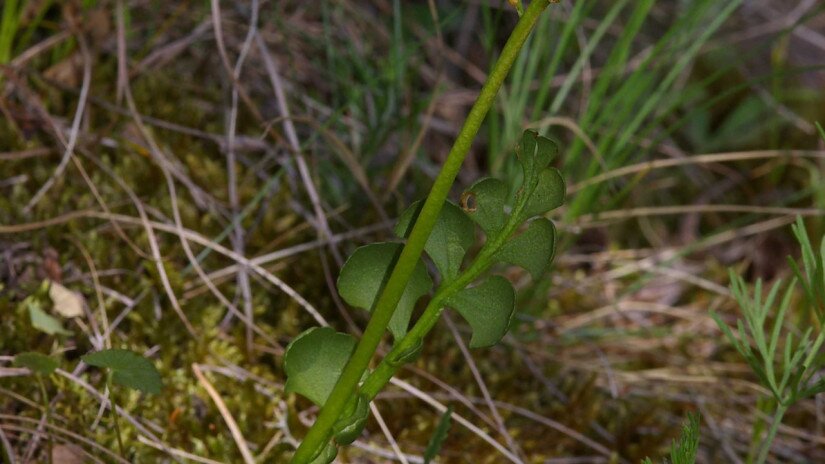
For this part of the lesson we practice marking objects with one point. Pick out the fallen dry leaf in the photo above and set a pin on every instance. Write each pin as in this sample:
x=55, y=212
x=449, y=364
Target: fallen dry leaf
x=66, y=72
x=67, y=454
x=66, y=302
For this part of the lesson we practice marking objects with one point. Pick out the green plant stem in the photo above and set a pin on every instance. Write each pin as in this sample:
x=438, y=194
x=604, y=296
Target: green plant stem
x=8, y=28
x=320, y=432
x=113, y=411
x=46, y=408
x=382, y=374
x=766, y=444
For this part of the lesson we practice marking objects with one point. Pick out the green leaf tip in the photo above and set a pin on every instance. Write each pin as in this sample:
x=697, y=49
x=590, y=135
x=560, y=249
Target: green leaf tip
x=533, y=249
x=128, y=369
x=535, y=152
x=365, y=273
x=542, y=189
x=44, y=322
x=439, y=436
x=488, y=308
x=542, y=186
x=452, y=235
x=314, y=361
x=38, y=363
x=547, y=194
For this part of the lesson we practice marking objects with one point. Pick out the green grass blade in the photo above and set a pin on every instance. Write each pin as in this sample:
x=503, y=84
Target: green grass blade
x=439, y=436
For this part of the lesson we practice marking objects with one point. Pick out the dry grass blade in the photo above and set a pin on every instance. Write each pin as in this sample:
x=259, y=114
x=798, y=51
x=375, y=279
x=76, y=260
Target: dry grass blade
x=693, y=160
x=485, y=392
x=435, y=404
x=75, y=129
x=388, y=434
x=10, y=454
x=227, y=416
x=322, y=225
x=188, y=234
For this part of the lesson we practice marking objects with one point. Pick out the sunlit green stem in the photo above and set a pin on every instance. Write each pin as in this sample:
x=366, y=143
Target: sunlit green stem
x=113, y=411
x=321, y=431
x=766, y=444
x=382, y=374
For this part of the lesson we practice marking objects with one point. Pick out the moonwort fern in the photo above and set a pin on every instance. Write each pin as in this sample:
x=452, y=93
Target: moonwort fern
x=387, y=279
x=516, y=232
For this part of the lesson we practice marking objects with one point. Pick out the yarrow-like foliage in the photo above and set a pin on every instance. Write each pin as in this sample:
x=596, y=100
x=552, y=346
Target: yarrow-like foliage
x=785, y=364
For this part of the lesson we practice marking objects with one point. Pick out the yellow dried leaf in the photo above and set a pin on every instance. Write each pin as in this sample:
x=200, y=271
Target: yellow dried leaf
x=66, y=302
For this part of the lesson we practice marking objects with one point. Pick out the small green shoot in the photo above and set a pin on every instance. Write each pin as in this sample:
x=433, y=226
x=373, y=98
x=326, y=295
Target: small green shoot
x=783, y=363
x=439, y=435
x=128, y=369
x=684, y=451
x=813, y=278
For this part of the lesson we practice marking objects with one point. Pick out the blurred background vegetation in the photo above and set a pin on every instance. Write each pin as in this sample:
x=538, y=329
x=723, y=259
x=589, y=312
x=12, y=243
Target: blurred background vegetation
x=195, y=172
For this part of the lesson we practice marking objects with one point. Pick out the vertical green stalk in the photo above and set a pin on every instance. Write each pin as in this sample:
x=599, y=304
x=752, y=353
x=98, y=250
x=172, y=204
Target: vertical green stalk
x=766, y=444
x=113, y=411
x=46, y=407
x=321, y=431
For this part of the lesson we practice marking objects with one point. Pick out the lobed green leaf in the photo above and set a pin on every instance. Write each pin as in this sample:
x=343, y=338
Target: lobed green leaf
x=488, y=308
x=546, y=195
x=542, y=187
x=314, y=360
x=452, y=235
x=535, y=153
x=533, y=249
x=484, y=202
x=365, y=273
